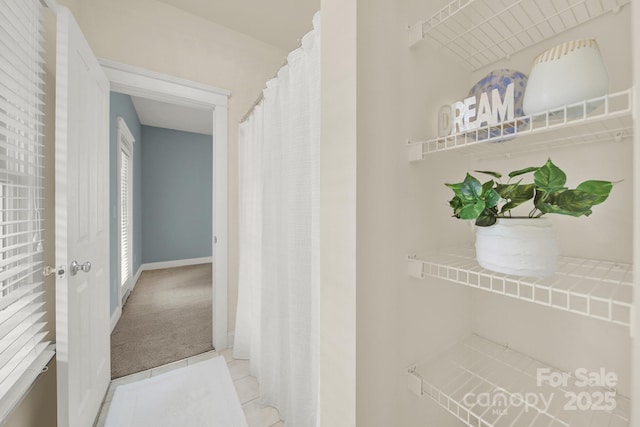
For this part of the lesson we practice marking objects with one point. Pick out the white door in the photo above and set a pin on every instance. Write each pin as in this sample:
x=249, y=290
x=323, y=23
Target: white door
x=82, y=228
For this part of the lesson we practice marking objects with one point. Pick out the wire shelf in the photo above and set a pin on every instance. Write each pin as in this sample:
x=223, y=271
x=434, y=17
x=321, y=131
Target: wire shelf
x=485, y=384
x=606, y=118
x=599, y=289
x=480, y=32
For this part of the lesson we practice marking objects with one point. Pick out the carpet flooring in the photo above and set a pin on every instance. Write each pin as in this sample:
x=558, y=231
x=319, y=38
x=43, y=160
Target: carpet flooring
x=166, y=318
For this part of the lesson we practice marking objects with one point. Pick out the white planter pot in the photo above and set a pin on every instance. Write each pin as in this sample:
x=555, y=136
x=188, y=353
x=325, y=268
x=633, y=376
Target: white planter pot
x=518, y=246
x=568, y=73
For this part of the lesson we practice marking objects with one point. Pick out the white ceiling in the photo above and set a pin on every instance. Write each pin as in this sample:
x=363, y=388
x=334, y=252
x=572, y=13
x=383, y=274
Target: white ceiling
x=281, y=23
x=170, y=116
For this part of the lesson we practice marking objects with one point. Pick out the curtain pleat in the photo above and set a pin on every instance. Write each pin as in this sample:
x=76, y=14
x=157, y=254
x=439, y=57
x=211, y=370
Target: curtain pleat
x=277, y=316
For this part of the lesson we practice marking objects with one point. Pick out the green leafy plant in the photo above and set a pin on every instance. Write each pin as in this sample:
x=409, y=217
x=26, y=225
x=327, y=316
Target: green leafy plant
x=486, y=202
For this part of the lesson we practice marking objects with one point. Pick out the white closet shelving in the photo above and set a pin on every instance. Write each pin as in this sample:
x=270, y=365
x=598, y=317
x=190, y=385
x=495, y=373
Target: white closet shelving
x=479, y=33
x=607, y=118
x=515, y=384
x=599, y=289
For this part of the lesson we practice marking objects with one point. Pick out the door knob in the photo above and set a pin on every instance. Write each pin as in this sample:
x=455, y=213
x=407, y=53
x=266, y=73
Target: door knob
x=75, y=267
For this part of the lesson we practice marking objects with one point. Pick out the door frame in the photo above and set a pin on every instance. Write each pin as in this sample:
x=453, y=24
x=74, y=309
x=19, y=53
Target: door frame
x=148, y=84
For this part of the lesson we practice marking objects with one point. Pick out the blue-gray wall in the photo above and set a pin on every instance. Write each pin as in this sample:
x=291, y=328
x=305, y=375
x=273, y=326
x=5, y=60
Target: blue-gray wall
x=122, y=106
x=176, y=196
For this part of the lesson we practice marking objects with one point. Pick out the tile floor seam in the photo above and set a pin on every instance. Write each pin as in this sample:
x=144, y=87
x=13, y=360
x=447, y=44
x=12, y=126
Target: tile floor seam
x=255, y=398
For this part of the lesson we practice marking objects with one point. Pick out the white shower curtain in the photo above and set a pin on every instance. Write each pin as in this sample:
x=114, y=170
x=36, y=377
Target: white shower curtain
x=277, y=316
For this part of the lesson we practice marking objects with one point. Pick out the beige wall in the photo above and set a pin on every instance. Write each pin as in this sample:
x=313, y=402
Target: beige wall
x=38, y=409
x=155, y=36
x=400, y=320
x=338, y=213
x=375, y=208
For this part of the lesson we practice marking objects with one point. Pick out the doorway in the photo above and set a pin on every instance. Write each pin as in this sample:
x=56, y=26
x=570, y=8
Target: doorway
x=157, y=87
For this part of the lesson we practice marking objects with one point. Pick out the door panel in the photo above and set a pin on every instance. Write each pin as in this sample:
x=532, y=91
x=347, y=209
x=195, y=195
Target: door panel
x=82, y=300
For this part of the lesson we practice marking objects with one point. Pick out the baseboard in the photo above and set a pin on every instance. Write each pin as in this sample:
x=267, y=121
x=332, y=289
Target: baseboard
x=176, y=263
x=115, y=317
x=136, y=277
x=230, y=337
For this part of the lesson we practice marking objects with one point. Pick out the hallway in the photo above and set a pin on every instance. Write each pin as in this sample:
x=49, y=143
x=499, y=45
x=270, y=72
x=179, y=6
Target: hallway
x=166, y=318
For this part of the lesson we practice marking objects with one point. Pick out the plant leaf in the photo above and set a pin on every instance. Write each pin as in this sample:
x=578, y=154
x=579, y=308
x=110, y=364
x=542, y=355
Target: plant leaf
x=541, y=197
x=505, y=190
x=472, y=211
x=456, y=204
x=570, y=202
x=550, y=177
x=487, y=218
x=576, y=200
x=523, y=171
x=471, y=188
x=493, y=174
x=601, y=189
x=492, y=198
x=487, y=187
x=548, y=208
x=457, y=188
x=521, y=194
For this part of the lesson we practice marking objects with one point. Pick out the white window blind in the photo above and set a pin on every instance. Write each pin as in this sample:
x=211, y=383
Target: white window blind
x=22, y=324
x=125, y=267
x=125, y=142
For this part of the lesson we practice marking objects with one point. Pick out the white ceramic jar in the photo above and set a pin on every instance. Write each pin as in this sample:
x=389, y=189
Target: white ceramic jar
x=568, y=73
x=518, y=246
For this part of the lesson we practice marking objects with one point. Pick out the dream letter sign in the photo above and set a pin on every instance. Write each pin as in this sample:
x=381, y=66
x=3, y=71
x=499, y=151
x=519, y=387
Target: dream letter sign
x=485, y=114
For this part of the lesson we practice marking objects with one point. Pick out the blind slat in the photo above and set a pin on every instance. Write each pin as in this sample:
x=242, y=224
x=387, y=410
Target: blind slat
x=21, y=30
x=13, y=344
x=16, y=258
x=18, y=294
x=14, y=323
x=22, y=335
x=11, y=358
x=14, y=127
x=10, y=72
x=12, y=286
x=12, y=372
x=17, y=271
x=19, y=305
x=20, y=176
x=17, y=113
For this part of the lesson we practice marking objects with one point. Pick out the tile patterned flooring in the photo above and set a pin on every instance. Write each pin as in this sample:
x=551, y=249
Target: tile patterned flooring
x=246, y=387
